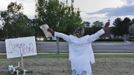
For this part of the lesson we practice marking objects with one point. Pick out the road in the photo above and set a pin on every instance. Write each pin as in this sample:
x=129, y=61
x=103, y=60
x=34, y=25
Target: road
x=98, y=47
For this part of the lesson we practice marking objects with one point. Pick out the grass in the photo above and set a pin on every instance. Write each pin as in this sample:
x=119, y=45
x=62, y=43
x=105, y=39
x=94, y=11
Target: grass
x=51, y=55
x=115, y=55
x=65, y=55
x=58, y=64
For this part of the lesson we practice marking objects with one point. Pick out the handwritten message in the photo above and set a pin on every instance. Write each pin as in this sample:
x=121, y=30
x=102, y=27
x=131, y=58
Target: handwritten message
x=18, y=47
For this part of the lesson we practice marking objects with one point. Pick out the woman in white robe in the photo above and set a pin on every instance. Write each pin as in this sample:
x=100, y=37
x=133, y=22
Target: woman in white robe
x=81, y=54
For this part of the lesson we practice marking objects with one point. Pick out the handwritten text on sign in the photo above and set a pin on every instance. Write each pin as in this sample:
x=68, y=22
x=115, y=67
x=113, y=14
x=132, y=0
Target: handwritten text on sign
x=25, y=46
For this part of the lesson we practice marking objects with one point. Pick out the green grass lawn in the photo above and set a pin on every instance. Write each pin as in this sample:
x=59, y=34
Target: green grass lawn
x=65, y=55
x=58, y=64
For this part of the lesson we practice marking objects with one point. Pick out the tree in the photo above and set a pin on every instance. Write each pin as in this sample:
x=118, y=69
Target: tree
x=86, y=24
x=16, y=23
x=14, y=8
x=2, y=22
x=125, y=25
x=132, y=21
x=117, y=30
x=121, y=27
x=97, y=24
x=125, y=28
x=58, y=15
x=131, y=29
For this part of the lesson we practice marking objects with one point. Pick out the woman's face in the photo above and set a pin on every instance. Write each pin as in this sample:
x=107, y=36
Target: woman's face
x=79, y=32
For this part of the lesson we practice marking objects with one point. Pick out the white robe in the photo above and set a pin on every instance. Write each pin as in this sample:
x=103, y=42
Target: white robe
x=80, y=51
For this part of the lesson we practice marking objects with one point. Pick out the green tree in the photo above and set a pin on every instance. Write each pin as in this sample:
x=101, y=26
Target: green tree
x=125, y=28
x=117, y=30
x=97, y=24
x=16, y=23
x=125, y=25
x=132, y=21
x=131, y=29
x=58, y=15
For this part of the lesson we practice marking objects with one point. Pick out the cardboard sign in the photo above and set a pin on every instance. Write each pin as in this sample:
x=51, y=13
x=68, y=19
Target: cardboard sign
x=16, y=47
x=44, y=28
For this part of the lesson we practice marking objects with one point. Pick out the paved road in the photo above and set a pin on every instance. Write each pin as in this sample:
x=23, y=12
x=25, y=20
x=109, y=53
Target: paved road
x=98, y=47
x=114, y=47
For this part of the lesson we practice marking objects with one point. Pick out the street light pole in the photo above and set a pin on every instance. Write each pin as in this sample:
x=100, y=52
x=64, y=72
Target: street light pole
x=57, y=40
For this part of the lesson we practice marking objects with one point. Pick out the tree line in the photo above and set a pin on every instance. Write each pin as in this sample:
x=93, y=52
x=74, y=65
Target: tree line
x=58, y=15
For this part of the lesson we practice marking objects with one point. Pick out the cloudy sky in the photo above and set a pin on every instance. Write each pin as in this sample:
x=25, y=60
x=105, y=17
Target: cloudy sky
x=114, y=9
x=91, y=10
x=28, y=5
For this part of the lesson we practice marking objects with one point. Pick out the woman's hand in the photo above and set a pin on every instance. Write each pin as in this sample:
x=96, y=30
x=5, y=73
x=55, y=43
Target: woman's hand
x=51, y=31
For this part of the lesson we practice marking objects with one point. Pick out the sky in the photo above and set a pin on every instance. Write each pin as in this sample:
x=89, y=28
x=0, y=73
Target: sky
x=110, y=10
x=28, y=5
x=91, y=10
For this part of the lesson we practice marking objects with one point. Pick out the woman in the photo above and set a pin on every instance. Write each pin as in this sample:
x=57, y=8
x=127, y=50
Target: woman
x=80, y=49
